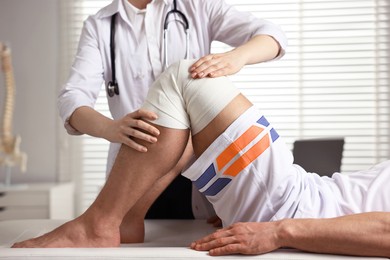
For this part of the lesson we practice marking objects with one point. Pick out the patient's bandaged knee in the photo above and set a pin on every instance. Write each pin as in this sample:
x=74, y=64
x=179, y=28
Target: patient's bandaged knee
x=182, y=102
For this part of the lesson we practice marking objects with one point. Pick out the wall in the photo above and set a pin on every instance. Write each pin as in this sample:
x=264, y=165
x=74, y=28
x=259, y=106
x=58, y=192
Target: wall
x=31, y=29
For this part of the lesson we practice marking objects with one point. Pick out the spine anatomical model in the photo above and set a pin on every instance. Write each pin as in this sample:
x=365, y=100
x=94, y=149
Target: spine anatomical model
x=10, y=154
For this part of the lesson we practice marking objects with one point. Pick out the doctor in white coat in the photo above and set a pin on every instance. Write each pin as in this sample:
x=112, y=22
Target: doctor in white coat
x=140, y=59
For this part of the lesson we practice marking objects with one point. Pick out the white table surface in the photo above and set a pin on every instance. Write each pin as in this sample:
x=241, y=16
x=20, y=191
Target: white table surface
x=165, y=239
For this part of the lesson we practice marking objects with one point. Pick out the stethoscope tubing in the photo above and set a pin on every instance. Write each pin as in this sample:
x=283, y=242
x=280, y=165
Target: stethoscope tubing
x=183, y=22
x=112, y=87
x=165, y=38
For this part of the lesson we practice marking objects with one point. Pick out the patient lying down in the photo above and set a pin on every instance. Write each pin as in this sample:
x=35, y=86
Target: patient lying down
x=245, y=170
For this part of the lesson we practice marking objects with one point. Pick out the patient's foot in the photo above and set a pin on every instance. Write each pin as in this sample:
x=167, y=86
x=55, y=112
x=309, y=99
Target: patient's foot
x=76, y=233
x=132, y=230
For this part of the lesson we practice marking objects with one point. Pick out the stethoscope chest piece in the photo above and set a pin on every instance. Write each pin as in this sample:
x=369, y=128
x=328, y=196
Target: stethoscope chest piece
x=112, y=88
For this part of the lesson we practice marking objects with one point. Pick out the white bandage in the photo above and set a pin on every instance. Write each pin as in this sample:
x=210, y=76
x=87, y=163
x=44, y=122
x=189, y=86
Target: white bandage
x=182, y=102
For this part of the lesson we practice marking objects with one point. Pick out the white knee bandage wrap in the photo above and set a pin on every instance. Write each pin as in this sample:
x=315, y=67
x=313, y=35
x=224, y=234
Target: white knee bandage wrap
x=182, y=102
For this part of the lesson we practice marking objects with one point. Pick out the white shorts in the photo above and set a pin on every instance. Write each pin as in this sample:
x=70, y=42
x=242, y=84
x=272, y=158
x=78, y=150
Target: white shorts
x=243, y=173
x=248, y=175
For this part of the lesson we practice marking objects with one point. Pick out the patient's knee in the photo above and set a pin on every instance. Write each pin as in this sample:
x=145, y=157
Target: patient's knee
x=182, y=102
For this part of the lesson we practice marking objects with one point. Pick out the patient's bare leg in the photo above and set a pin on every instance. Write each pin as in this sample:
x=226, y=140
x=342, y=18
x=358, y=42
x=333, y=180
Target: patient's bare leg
x=218, y=125
x=132, y=228
x=133, y=222
x=132, y=175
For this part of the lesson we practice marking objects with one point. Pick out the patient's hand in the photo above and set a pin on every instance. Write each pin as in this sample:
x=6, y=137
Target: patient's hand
x=241, y=238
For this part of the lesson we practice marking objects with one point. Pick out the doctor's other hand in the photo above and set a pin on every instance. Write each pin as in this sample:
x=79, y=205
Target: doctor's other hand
x=131, y=127
x=241, y=238
x=217, y=65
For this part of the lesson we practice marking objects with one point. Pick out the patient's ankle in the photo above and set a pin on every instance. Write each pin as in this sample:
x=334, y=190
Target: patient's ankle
x=132, y=230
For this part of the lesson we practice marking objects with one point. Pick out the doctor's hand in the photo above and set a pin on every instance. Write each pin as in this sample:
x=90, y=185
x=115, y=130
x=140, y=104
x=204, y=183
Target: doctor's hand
x=217, y=65
x=131, y=127
x=259, y=48
x=241, y=238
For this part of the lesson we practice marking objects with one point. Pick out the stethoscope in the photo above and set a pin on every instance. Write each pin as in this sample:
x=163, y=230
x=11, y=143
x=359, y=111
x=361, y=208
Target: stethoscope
x=112, y=87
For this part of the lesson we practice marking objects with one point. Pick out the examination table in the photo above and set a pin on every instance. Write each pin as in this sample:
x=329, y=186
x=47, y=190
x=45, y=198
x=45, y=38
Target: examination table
x=165, y=239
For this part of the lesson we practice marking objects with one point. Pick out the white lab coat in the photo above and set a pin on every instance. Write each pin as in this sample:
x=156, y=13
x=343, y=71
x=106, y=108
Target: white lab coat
x=139, y=60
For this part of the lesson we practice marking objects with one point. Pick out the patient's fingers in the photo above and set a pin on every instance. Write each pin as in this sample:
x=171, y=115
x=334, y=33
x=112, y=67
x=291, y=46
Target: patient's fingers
x=209, y=241
x=222, y=242
x=227, y=250
x=243, y=238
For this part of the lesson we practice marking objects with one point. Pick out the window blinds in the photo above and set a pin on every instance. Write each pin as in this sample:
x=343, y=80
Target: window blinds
x=332, y=82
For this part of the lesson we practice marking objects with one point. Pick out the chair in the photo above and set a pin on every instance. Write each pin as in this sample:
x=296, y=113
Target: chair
x=322, y=156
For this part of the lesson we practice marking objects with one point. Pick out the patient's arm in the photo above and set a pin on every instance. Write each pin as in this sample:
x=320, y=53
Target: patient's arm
x=365, y=234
